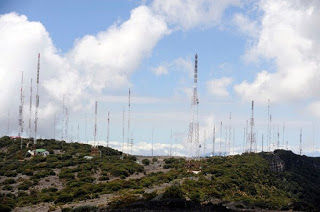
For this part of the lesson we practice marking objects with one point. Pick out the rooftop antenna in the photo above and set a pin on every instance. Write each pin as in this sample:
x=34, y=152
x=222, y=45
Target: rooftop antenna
x=129, y=110
x=30, y=109
x=213, y=139
x=300, y=149
x=152, y=141
x=95, y=124
x=193, y=136
x=21, y=111
x=108, y=130
x=123, y=129
x=252, y=136
x=37, y=103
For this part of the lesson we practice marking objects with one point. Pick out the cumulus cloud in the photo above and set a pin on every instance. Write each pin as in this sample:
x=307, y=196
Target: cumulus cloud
x=186, y=14
x=160, y=70
x=218, y=87
x=288, y=37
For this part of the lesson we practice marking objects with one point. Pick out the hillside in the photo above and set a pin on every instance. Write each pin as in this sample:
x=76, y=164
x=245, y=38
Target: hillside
x=65, y=180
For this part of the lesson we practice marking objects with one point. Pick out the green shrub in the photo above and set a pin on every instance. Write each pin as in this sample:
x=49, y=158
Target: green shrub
x=173, y=192
x=145, y=162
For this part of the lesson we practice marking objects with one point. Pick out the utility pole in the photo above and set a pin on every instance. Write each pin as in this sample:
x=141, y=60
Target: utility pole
x=21, y=111
x=108, y=130
x=37, y=103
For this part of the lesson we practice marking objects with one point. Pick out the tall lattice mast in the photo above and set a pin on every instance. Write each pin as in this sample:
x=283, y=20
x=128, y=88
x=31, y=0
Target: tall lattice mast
x=262, y=143
x=129, y=110
x=78, y=131
x=66, y=124
x=8, y=124
x=252, y=134
x=193, y=136
x=54, y=127
x=152, y=134
x=30, y=109
x=269, y=127
x=123, y=123
x=300, y=147
x=37, y=103
x=21, y=111
x=108, y=129
x=283, y=130
x=213, y=139
x=171, y=140
x=229, y=133
x=220, y=140
x=95, y=124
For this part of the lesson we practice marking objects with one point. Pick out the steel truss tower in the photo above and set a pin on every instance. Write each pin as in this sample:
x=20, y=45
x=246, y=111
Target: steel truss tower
x=37, y=103
x=193, y=135
x=21, y=111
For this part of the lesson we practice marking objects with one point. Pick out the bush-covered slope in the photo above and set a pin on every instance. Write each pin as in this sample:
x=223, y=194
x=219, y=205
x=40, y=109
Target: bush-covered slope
x=240, y=181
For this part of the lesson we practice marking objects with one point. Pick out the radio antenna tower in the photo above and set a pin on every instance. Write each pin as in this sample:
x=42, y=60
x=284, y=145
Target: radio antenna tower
x=30, y=108
x=78, y=129
x=204, y=142
x=66, y=124
x=300, y=148
x=8, y=127
x=220, y=148
x=108, y=130
x=37, y=103
x=213, y=139
x=21, y=111
x=252, y=135
x=283, y=130
x=278, y=139
x=268, y=127
x=152, y=141
x=95, y=124
x=129, y=110
x=193, y=136
x=85, y=127
x=123, y=129
x=262, y=143
x=54, y=127
x=171, y=140
x=230, y=133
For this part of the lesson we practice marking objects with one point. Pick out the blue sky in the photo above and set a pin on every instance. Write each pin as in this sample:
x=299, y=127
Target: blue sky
x=235, y=40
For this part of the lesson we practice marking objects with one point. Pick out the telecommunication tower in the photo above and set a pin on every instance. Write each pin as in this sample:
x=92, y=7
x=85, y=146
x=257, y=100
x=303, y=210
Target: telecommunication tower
x=252, y=134
x=300, y=147
x=30, y=109
x=95, y=124
x=108, y=130
x=213, y=139
x=37, y=103
x=193, y=135
x=21, y=111
x=129, y=110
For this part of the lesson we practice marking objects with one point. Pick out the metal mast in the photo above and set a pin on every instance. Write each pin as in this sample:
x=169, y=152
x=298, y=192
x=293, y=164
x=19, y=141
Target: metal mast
x=95, y=124
x=252, y=136
x=8, y=127
x=66, y=124
x=37, y=103
x=278, y=139
x=123, y=130
x=213, y=139
x=283, y=130
x=262, y=143
x=193, y=136
x=21, y=111
x=78, y=138
x=128, y=132
x=54, y=127
x=171, y=140
x=269, y=127
x=204, y=142
x=300, y=148
x=108, y=129
x=152, y=141
x=220, y=138
x=30, y=108
x=230, y=133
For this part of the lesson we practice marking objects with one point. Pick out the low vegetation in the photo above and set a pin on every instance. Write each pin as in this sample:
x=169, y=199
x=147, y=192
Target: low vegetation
x=246, y=180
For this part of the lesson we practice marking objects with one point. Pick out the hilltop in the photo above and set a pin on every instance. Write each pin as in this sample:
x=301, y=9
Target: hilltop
x=67, y=180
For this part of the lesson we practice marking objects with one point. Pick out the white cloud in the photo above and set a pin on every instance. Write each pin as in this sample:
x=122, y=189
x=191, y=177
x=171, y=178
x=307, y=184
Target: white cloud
x=187, y=14
x=289, y=38
x=314, y=108
x=160, y=70
x=218, y=87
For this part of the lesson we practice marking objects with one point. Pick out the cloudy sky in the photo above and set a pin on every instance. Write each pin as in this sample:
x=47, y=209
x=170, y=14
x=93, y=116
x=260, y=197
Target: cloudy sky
x=95, y=50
